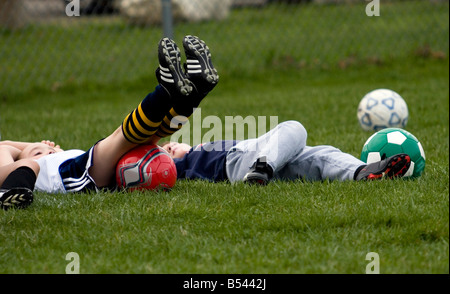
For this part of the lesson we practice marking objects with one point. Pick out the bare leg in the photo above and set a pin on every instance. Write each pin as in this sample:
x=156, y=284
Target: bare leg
x=106, y=155
x=8, y=155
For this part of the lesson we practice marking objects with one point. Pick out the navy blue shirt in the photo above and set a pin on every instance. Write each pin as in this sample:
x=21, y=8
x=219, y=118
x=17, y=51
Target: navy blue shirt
x=205, y=161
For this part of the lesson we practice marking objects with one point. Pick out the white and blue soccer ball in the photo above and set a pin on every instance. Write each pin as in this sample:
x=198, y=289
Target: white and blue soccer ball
x=382, y=108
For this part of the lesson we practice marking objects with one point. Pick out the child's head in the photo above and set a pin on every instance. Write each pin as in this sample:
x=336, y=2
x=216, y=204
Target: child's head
x=37, y=150
x=176, y=150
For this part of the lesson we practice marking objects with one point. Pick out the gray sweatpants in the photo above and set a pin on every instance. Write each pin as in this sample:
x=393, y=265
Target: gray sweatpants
x=285, y=149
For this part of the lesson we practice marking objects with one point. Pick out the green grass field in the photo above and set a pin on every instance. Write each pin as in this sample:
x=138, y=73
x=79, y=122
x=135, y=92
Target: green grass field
x=201, y=227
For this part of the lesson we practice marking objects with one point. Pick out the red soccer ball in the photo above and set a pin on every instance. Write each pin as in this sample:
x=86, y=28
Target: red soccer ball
x=146, y=167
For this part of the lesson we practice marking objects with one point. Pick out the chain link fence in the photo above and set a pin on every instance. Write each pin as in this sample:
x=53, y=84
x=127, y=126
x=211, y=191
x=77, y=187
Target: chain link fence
x=49, y=43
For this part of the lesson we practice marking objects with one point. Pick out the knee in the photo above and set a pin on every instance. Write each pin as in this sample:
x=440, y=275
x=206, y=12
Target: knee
x=295, y=129
x=32, y=164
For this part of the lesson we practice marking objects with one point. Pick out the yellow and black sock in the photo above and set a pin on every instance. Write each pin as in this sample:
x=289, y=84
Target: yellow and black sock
x=172, y=122
x=144, y=121
x=179, y=114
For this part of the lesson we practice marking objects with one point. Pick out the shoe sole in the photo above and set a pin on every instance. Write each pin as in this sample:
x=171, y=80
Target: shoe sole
x=258, y=182
x=170, y=60
x=254, y=180
x=396, y=167
x=16, y=198
x=197, y=51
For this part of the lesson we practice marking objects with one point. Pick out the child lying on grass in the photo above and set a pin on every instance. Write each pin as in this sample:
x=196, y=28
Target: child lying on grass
x=280, y=154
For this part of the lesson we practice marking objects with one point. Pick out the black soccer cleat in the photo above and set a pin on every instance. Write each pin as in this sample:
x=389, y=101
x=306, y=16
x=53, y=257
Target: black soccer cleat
x=199, y=67
x=260, y=173
x=395, y=166
x=15, y=198
x=170, y=74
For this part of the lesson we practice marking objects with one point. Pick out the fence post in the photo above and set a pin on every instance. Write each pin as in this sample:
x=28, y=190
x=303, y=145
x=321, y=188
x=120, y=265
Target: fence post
x=12, y=14
x=167, y=19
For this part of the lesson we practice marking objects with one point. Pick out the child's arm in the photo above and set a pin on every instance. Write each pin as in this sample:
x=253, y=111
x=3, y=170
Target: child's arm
x=23, y=145
x=8, y=154
x=15, y=144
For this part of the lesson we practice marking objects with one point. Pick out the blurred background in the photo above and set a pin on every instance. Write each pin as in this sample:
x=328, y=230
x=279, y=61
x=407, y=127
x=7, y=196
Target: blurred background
x=51, y=43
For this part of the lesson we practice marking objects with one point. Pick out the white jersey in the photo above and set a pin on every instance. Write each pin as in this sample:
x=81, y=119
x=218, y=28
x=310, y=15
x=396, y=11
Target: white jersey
x=49, y=179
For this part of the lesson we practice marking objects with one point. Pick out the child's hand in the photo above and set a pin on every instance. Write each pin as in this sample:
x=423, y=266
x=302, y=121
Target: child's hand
x=50, y=143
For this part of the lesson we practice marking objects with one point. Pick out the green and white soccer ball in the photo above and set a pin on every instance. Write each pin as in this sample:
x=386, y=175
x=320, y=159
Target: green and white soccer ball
x=392, y=141
x=382, y=108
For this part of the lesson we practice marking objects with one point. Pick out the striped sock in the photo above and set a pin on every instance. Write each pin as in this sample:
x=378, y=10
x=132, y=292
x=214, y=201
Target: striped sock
x=179, y=114
x=172, y=122
x=144, y=121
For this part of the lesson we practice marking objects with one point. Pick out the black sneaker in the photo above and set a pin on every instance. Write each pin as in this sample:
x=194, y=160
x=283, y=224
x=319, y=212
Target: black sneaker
x=15, y=198
x=395, y=166
x=260, y=173
x=199, y=67
x=170, y=74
